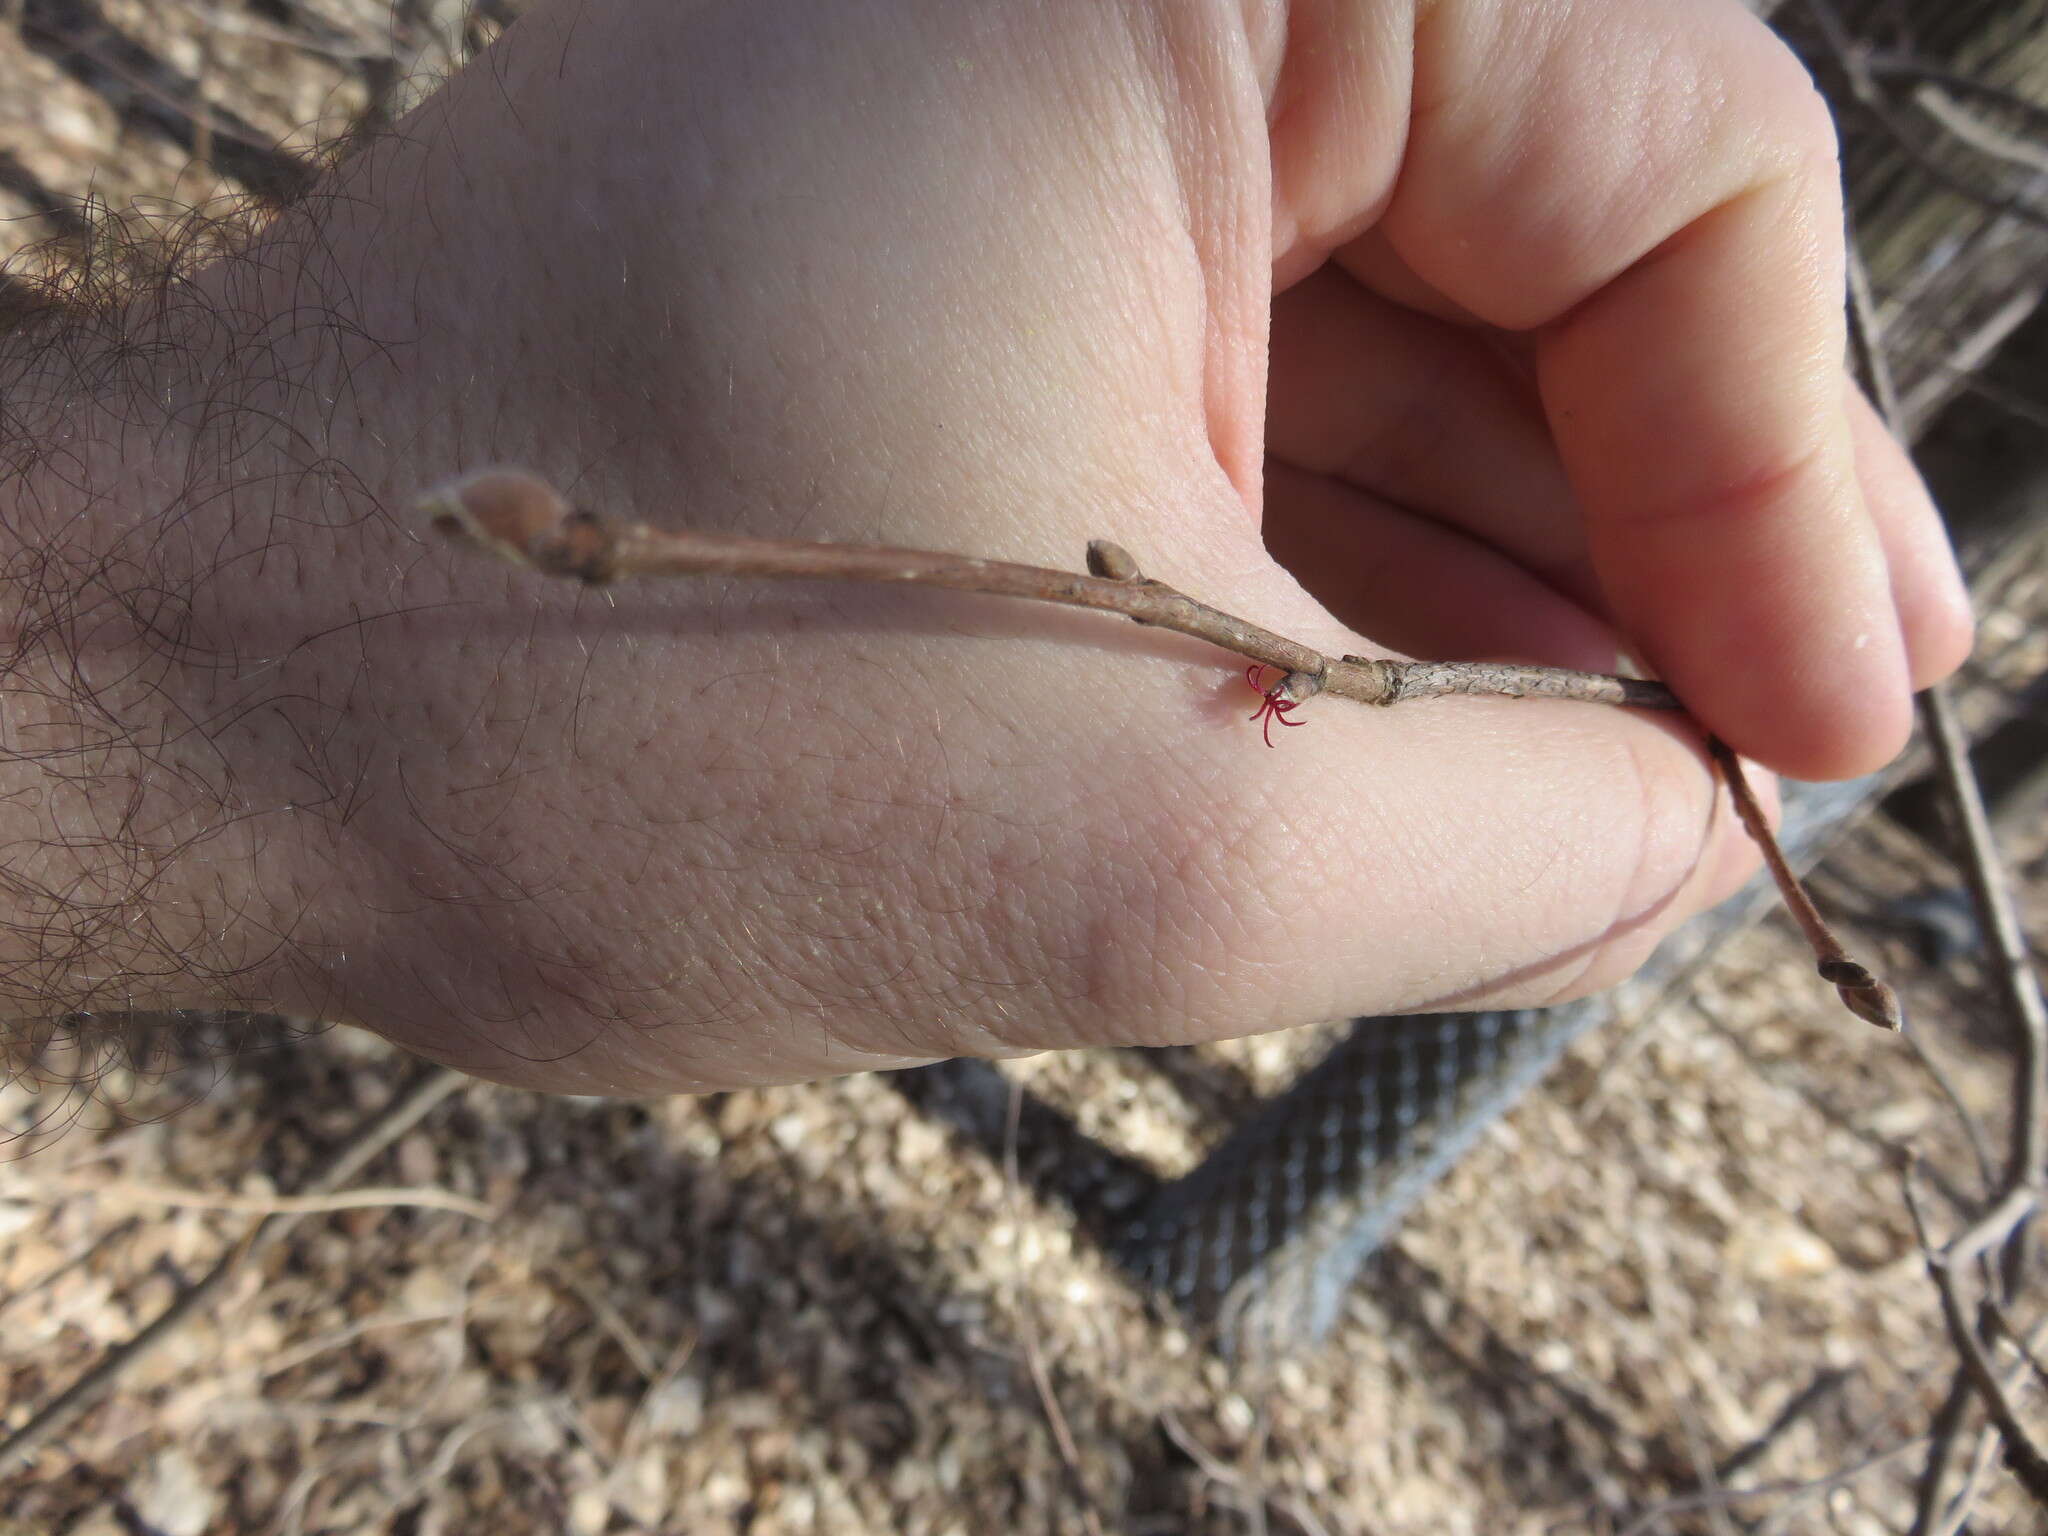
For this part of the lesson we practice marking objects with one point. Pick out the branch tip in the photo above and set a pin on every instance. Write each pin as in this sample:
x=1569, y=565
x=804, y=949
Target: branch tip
x=1875, y=1004
x=1860, y=990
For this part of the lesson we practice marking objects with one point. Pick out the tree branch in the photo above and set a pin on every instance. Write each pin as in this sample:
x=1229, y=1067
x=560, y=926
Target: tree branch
x=521, y=518
x=2021, y=1453
x=2011, y=1206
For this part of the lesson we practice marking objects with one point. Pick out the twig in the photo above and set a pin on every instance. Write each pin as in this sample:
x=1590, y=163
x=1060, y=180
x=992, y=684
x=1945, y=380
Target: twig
x=82, y=1253
x=516, y=516
x=678, y=1356
x=369, y=1139
x=1990, y=891
x=1989, y=140
x=422, y=1198
x=2011, y=401
x=614, y=1323
x=2002, y=1327
x=219, y=18
x=291, y=1359
x=2021, y=1454
x=2010, y=964
x=1827, y=1384
x=1862, y=993
x=1223, y=1474
x=1866, y=335
x=1969, y=354
x=1721, y=1498
x=1701, y=1456
x=1997, y=917
x=1929, y=1519
x=1999, y=1223
x=2018, y=1195
x=1034, y=1356
x=521, y=518
x=1981, y=1461
x=1882, y=64
x=1854, y=58
x=1945, y=1436
x=1972, y=1129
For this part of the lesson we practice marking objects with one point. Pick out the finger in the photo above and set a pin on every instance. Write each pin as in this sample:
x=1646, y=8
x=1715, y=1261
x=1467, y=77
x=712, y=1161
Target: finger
x=1652, y=190
x=1927, y=587
x=1418, y=586
x=1423, y=414
x=1366, y=389
x=1378, y=267
x=1724, y=511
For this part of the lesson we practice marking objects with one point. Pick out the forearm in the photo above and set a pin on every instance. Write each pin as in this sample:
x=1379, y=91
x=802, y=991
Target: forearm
x=125, y=822
x=251, y=756
x=152, y=461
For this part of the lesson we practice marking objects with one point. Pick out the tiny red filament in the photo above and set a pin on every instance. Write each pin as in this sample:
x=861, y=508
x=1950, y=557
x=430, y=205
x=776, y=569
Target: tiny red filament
x=1276, y=706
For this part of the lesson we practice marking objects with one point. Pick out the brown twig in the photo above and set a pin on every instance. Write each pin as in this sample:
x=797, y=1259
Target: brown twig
x=2028, y=1464
x=1853, y=58
x=1862, y=993
x=1987, y=139
x=2013, y=1203
x=1866, y=334
x=1982, y=1459
x=1702, y=1500
x=369, y=1139
x=1253, y=1501
x=2019, y=988
x=518, y=517
x=2002, y=1327
x=1945, y=1438
x=1828, y=1384
x=1881, y=64
x=134, y=1192
x=1966, y=1120
x=1034, y=1355
x=2011, y=966
x=1968, y=354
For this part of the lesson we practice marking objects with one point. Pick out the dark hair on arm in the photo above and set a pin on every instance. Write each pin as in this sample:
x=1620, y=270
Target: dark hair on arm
x=109, y=781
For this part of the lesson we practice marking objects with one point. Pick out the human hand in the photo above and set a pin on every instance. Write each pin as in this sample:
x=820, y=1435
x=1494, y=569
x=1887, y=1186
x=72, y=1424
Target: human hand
x=1555, y=369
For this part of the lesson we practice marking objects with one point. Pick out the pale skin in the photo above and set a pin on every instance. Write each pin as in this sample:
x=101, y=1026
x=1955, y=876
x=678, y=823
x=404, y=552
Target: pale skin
x=1555, y=369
